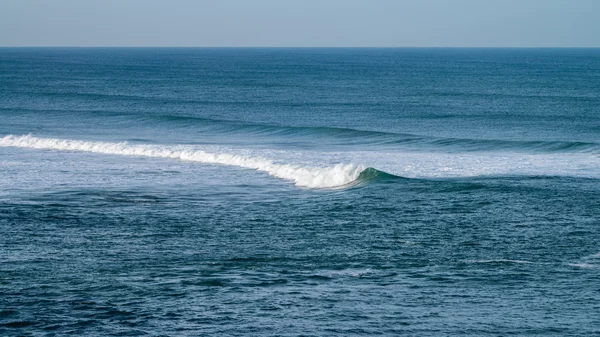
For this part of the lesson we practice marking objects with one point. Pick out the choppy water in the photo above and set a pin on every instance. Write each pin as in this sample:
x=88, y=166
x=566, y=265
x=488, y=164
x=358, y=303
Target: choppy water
x=423, y=192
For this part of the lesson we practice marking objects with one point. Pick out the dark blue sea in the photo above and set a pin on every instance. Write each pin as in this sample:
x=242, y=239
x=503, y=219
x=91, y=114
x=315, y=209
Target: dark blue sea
x=299, y=192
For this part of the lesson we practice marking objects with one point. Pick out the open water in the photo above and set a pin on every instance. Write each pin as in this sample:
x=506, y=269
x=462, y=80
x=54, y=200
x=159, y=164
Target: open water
x=288, y=192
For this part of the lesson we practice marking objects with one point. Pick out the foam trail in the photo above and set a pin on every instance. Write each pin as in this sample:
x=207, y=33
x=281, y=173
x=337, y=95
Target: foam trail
x=312, y=177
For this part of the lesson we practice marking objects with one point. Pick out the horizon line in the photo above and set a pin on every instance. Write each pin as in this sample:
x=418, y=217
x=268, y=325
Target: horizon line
x=313, y=47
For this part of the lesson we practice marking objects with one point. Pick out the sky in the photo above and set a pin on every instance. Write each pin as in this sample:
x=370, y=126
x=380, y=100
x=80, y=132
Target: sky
x=301, y=23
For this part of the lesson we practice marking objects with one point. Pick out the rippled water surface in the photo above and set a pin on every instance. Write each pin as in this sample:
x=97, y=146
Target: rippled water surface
x=287, y=192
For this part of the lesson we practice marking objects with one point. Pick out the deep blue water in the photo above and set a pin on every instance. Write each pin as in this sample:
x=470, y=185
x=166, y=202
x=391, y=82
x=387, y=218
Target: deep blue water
x=286, y=192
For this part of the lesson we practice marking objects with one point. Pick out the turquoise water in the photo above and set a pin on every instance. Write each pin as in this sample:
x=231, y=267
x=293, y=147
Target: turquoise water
x=311, y=192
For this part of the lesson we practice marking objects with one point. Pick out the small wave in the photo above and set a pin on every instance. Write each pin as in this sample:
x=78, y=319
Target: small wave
x=476, y=145
x=590, y=261
x=583, y=265
x=304, y=176
x=500, y=261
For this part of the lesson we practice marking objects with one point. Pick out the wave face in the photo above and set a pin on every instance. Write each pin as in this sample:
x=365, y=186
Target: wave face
x=303, y=176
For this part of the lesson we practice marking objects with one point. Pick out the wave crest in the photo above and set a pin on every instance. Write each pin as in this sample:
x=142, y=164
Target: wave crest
x=303, y=176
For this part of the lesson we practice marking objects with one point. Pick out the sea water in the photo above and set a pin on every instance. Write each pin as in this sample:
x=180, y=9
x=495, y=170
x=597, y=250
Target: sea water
x=289, y=192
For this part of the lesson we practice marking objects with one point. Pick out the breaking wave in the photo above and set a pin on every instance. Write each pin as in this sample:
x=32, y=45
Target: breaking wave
x=312, y=177
x=311, y=170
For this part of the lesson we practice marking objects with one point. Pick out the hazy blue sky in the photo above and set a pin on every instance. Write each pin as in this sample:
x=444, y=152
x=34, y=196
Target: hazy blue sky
x=484, y=23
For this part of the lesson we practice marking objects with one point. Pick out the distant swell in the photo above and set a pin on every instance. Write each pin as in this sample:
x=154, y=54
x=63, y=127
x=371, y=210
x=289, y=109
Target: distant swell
x=312, y=177
x=323, y=135
x=338, y=135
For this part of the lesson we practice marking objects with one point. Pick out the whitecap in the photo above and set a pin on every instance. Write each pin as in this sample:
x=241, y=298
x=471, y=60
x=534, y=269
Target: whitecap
x=303, y=176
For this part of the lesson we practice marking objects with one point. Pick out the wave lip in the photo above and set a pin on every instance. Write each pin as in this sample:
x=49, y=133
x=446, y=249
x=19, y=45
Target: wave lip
x=303, y=176
x=368, y=175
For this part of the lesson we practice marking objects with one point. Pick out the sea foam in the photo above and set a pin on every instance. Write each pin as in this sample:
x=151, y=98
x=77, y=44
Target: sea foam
x=303, y=176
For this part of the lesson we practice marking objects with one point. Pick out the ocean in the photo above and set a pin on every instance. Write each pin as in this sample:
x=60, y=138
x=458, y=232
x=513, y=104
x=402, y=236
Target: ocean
x=299, y=192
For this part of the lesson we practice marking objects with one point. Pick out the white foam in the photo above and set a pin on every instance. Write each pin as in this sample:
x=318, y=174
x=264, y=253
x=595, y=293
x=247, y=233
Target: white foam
x=583, y=265
x=304, y=176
